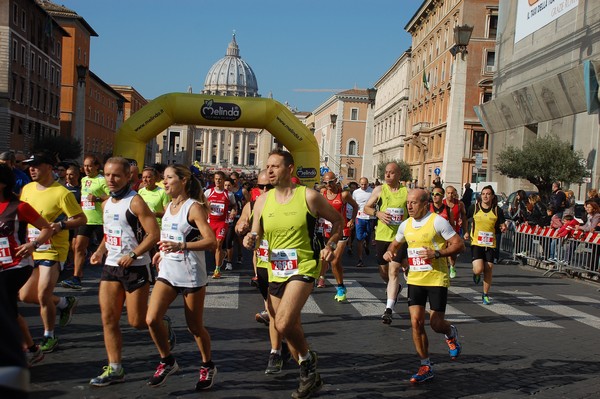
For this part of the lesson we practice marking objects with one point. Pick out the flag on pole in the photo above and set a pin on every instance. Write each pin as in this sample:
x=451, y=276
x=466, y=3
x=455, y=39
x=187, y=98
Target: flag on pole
x=425, y=81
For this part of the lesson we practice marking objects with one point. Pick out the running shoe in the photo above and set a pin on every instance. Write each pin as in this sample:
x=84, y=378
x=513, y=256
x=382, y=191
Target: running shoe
x=321, y=282
x=340, y=295
x=228, y=266
x=73, y=283
x=454, y=347
x=34, y=357
x=425, y=373
x=49, y=344
x=66, y=314
x=310, y=380
x=275, y=364
x=360, y=263
x=171, y=331
x=477, y=278
x=486, y=300
x=263, y=317
x=386, y=318
x=452, y=272
x=254, y=281
x=162, y=372
x=206, y=378
x=109, y=376
x=217, y=273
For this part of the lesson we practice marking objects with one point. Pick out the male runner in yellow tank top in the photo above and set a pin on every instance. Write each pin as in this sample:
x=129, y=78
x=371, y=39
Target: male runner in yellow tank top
x=431, y=239
x=285, y=217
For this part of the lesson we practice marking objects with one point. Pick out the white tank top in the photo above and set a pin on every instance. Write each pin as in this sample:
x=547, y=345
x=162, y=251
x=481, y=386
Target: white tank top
x=184, y=268
x=121, y=231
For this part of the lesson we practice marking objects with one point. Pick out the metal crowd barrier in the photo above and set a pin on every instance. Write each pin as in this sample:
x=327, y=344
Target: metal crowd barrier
x=577, y=255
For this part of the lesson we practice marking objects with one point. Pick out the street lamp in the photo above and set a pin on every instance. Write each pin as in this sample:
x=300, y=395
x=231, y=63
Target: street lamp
x=333, y=118
x=371, y=94
x=462, y=36
x=164, y=149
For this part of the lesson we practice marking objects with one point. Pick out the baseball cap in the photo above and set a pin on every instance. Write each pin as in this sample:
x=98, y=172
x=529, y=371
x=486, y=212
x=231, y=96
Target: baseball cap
x=40, y=158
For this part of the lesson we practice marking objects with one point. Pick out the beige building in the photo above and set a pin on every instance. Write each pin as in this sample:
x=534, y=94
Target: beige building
x=391, y=113
x=431, y=143
x=547, y=81
x=340, y=126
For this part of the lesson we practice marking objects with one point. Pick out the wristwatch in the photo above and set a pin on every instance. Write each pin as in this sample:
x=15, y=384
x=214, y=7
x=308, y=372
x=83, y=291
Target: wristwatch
x=437, y=254
x=36, y=244
x=332, y=245
x=63, y=224
x=133, y=255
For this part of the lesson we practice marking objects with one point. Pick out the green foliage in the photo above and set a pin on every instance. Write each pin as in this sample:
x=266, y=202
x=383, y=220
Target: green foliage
x=542, y=162
x=405, y=174
x=63, y=147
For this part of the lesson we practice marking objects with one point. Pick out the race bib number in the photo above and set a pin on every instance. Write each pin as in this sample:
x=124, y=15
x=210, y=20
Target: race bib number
x=5, y=256
x=175, y=236
x=88, y=205
x=284, y=262
x=112, y=239
x=217, y=209
x=33, y=234
x=416, y=263
x=327, y=226
x=263, y=251
x=485, y=238
x=397, y=215
x=320, y=225
x=362, y=215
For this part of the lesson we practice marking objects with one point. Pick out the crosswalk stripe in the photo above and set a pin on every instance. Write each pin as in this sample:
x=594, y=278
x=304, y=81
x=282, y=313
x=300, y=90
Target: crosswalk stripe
x=223, y=293
x=362, y=300
x=586, y=300
x=516, y=315
x=311, y=307
x=554, y=307
x=456, y=316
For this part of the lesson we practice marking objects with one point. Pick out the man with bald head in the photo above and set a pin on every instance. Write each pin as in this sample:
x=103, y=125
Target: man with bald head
x=431, y=239
x=363, y=221
x=388, y=204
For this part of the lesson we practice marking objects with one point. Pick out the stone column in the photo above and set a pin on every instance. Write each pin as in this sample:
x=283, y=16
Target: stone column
x=219, y=146
x=209, y=148
x=232, y=135
x=205, y=146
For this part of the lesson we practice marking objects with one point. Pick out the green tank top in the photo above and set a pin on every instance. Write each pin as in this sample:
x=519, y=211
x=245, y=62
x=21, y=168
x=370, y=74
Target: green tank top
x=289, y=230
x=93, y=209
x=394, y=203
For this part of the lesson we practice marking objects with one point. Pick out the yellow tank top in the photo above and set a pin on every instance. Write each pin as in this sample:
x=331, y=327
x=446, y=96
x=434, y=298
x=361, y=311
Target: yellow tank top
x=426, y=272
x=395, y=204
x=289, y=230
x=483, y=232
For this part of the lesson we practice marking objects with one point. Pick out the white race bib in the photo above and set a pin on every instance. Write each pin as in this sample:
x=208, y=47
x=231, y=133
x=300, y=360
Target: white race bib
x=33, y=234
x=416, y=263
x=217, y=209
x=88, y=205
x=5, y=256
x=485, y=238
x=112, y=236
x=397, y=215
x=263, y=251
x=284, y=262
x=175, y=236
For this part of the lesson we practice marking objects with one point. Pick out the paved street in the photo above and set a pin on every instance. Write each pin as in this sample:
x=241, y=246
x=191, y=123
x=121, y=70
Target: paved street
x=539, y=337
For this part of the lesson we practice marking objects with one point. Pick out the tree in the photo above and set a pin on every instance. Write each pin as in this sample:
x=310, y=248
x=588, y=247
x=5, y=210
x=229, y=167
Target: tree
x=542, y=162
x=405, y=174
x=63, y=147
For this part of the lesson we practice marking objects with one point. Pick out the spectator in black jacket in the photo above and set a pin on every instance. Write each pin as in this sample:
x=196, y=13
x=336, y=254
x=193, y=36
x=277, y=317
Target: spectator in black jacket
x=558, y=199
x=467, y=195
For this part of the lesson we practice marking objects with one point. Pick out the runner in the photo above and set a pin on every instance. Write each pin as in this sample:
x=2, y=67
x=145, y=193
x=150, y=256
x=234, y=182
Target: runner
x=487, y=219
x=459, y=215
x=222, y=204
x=59, y=207
x=363, y=221
x=155, y=196
x=130, y=231
x=285, y=217
x=388, y=204
x=93, y=192
x=430, y=240
x=338, y=199
x=185, y=236
x=242, y=196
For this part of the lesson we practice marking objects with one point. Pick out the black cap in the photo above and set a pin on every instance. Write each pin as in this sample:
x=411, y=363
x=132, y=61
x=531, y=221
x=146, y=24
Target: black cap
x=40, y=158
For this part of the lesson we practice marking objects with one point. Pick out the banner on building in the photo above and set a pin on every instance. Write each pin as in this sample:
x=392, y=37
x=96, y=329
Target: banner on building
x=532, y=15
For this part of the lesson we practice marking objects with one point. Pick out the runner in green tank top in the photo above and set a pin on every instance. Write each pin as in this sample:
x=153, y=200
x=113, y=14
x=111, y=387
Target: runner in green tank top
x=285, y=217
x=388, y=204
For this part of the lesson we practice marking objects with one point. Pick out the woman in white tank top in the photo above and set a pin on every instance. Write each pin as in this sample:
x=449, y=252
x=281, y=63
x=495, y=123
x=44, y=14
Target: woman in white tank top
x=181, y=264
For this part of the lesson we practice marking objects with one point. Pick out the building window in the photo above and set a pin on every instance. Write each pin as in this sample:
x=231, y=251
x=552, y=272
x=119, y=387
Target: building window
x=45, y=69
x=487, y=96
x=32, y=62
x=23, y=20
x=15, y=14
x=23, y=56
x=351, y=173
x=490, y=61
x=354, y=114
x=479, y=141
x=352, y=147
x=492, y=26
x=14, y=50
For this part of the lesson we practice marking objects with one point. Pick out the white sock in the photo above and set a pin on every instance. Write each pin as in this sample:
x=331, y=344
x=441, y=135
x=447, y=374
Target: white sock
x=302, y=358
x=115, y=366
x=49, y=333
x=390, y=303
x=62, y=303
x=425, y=362
x=277, y=351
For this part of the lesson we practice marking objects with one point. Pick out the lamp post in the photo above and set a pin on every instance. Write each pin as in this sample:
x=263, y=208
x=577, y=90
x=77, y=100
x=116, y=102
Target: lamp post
x=164, y=150
x=452, y=165
x=367, y=153
x=79, y=122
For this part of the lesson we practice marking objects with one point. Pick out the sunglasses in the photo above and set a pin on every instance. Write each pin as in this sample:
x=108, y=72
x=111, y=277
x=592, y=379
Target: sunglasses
x=437, y=195
x=263, y=186
x=329, y=182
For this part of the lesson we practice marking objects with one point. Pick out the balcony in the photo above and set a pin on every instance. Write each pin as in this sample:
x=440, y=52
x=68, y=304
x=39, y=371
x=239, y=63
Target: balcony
x=420, y=127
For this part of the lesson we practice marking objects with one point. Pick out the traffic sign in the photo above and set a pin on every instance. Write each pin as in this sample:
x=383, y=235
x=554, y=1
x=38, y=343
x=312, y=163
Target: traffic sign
x=479, y=160
x=437, y=171
x=324, y=169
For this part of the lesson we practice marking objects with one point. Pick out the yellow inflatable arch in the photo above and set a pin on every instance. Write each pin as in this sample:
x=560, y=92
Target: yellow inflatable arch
x=207, y=110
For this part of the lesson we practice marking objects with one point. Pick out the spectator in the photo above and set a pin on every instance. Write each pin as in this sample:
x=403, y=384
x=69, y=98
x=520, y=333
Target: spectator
x=538, y=210
x=570, y=209
x=21, y=178
x=558, y=199
x=569, y=223
x=593, y=216
x=593, y=195
x=518, y=209
x=467, y=197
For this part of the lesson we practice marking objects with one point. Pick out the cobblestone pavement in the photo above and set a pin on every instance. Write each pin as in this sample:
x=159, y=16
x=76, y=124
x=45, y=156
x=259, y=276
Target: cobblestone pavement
x=539, y=337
